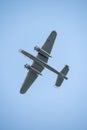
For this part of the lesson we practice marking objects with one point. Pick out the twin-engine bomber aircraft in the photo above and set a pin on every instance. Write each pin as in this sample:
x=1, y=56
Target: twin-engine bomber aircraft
x=40, y=62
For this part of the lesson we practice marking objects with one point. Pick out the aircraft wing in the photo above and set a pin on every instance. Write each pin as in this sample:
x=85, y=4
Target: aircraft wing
x=48, y=45
x=31, y=76
x=49, y=42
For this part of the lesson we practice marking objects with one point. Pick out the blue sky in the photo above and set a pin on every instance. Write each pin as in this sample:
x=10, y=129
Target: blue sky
x=24, y=24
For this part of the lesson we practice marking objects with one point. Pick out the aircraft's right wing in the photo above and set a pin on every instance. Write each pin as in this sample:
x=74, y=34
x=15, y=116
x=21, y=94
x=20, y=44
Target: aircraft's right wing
x=30, y=78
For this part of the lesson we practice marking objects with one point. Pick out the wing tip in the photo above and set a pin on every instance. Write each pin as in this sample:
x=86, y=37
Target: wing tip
x=54, y=32
x=22, y=91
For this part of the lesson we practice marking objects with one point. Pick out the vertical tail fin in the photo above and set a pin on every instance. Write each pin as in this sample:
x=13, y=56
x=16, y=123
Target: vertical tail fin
x=62, y=75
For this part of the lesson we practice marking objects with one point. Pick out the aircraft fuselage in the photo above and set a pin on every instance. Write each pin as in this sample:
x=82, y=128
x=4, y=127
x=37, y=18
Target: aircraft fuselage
x=42, y=63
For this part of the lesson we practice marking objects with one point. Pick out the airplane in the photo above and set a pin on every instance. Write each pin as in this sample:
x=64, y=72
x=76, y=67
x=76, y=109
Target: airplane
x=40, y=62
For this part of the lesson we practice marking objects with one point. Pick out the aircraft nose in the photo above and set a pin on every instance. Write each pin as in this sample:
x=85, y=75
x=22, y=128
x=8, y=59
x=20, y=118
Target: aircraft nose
x=20, y=50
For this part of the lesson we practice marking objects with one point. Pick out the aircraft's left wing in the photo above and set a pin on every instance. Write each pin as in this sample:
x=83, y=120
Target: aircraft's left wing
x=49, y=42
x=48, y=45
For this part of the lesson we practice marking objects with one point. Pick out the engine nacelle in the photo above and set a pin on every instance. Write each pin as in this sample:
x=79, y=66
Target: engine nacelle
x=42, y=52
x=28, y=67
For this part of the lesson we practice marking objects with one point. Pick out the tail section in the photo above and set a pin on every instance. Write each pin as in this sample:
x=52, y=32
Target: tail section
x=62, y=75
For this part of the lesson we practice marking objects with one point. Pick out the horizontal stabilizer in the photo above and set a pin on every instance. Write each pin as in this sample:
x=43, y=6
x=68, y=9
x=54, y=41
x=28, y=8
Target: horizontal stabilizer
x=62, y=75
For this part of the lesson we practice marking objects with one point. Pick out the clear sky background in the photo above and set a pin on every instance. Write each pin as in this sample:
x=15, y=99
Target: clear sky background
x=24, y=24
